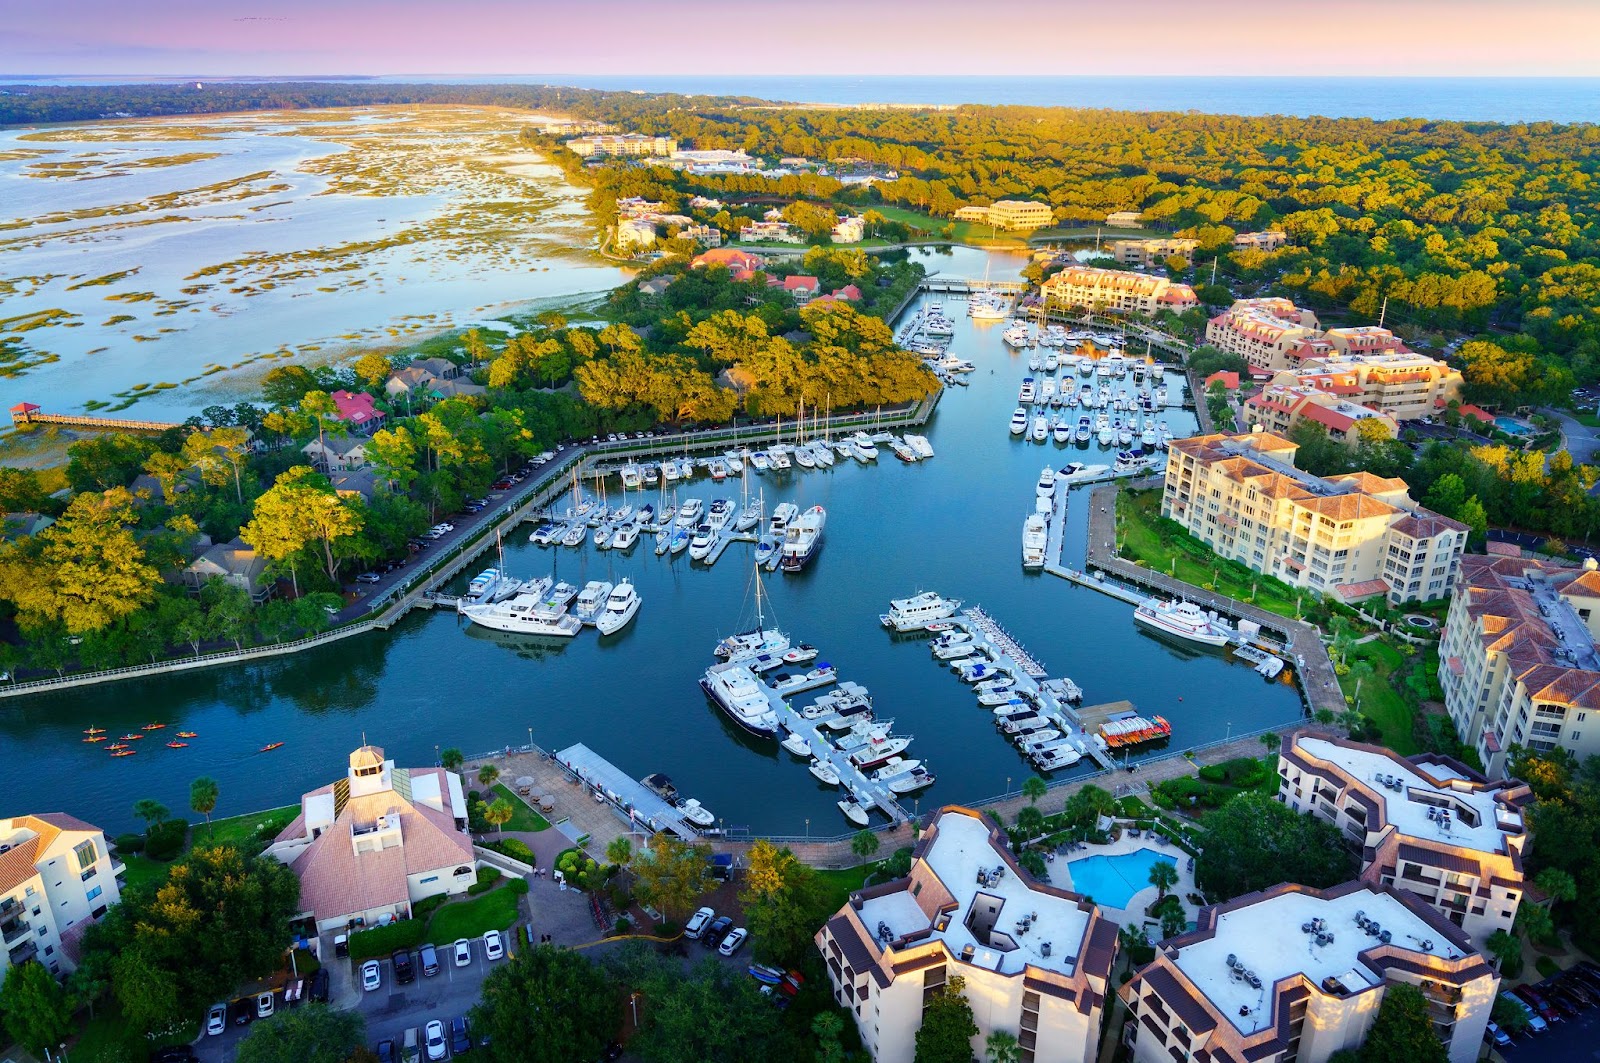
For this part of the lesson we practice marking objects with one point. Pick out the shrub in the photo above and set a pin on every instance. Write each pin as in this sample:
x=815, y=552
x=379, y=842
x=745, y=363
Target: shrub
x=621, y=925
x=514, y=848
x=487, y=878
x=1548, y=968
x=382, y=940
x=518, y=885
x=128, y=844
x=165, y=840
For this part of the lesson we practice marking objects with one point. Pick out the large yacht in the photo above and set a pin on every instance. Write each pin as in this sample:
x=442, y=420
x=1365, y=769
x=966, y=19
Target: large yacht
x=802, y=539
x=525, y=614
x=1017, y=335
x=1184, y=620
x=689, y=513
x=917, y=612
x=591, y=600
x=621, y=605
x=735, y=690
x=1046, y=487
x=1035, y=535
x=1019, y=421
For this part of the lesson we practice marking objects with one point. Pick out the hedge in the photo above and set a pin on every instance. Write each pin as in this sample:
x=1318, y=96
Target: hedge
x=165, y=839
x=487, y=877
x=514, y=848
x=380, y=941
x=128, y=844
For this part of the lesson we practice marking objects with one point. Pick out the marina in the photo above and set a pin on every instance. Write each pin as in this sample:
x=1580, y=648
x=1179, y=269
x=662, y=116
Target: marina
x=631, y=800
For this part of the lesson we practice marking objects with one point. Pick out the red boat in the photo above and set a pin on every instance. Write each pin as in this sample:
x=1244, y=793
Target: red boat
x=271, y=746
x=130, y=738
x=95, y=738
x=124, y=753
x=94, y=730
x=152, y=727
x=177, y=745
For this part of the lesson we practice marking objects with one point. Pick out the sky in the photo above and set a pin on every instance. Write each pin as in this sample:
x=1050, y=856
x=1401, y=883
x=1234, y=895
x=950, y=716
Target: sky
x=817, y=37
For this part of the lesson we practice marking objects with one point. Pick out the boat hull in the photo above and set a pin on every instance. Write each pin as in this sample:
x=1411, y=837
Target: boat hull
x=755, y=729
x=1201, y=639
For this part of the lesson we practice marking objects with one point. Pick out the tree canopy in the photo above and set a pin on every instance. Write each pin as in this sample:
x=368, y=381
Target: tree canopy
x=1253, y=842
x=548, y=1005
x=310, y=1033
x=1403, y=1031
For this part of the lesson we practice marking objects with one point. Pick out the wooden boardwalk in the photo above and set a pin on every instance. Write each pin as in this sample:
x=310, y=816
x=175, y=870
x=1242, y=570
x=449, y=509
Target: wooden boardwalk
x=27, y=413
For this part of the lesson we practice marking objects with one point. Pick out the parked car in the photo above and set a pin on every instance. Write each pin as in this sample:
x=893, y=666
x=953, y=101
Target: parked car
x=1535, y=1023
x=385, y=1051
x=430, y=961
x=712, y=937
x=1535, y=1000
x=241, y=1012
x=437, y=1049
x=318, y=990
x=697, y=923
x=217, y=1019
x=733, y=942
x=463, y=949
x=493, y=948
x=460, y=1036
x=369, y=577
x=264, y=1005
x=411, y=1046
x=501, y=485
x=405, y=972
x=371, y=976
x=1493, y=1032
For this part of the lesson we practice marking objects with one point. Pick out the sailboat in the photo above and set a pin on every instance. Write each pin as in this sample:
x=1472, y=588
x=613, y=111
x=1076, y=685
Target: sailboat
x=757, y=640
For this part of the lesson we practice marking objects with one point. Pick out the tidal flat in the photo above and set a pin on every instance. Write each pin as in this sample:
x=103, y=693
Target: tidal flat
x=197, y=252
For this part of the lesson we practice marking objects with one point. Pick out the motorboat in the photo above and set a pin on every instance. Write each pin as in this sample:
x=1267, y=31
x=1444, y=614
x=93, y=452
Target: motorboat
x=846, y=701
x=865, y=446
x=902, y=451
x=955, y=651
x=1046, y=486
x=795, y=682
x=1047, y=390
x=877, y=751
x=1016, y=335
x=690, y=512
x=1026, y=393
x=766, y=549
x=782, y=514
x=1003, y=685
x=625, y=537
x=920, y=446
x=591, y=601
x=701, y=542
x=621, y=606
x=1012, y=707
x=650, y=474
x=779, y=459
x=802, y=539
x=892, y=767
x=759, y=462
x=734, y=460
x=696, y=814
x=1084, y=431
x=1184, y=620
x=1019, y=421
x=908, y=782
x=734, y=689
x=1041, y=429
x=824, y=772
x=1052, y=362
x=823, y=454
x=993, y=699
x=796, y=743
x=1061, y=431
x=989, y=307
x=973, y=671
x=524, y=614
x=575, y=535
x=546, y=533
x=1035, y=537
x=853, y=811
x=918, y=611
x=804, y=653
x=602, y=536
x=718, y=469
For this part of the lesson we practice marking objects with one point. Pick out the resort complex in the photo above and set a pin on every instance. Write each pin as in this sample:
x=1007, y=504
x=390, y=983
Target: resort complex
x=1012, y=214
x=1354, y=536
x=57, y=879
x=1153, y=252
x=1278, y=408
x=1426, y=824
x=1080, y=289
x=1297, y=974
x=1038, y=958
x=1519, y=665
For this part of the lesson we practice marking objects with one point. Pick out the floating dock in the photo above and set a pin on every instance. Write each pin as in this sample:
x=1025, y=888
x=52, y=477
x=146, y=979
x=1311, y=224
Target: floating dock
x=630, y=799
x=976, y=620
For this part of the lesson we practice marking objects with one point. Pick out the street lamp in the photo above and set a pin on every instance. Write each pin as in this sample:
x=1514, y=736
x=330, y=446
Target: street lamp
x=530, y=740
x=808, y=828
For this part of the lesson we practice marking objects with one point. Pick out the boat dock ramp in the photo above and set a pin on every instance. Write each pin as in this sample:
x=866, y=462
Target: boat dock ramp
x=641, y=807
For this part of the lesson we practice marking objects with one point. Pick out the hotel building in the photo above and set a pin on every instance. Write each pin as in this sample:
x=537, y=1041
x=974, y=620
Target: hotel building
x=56, y=880
x=1035, y=958
x=1356, y=535
x=1518, y=663
x=1281, y=406
x=1262, y=331
x=1263, y=241
x=621, y=144
x=1400, y=383
x=1014, y=214
x=1426, y=824
x=1297, y=974
x=1080, y=288
x=1151, y=252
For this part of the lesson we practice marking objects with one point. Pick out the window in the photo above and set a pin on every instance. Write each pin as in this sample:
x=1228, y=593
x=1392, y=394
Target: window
x=89, y=874
x=430, y=878
x=86, y=854
x=49, y=950
x=92, y=894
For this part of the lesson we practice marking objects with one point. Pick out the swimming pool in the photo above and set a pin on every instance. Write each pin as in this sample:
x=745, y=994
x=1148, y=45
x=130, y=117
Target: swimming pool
x=1113, y=880
x=1516, y=428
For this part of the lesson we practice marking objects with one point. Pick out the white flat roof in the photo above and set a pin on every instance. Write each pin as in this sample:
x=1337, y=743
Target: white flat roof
x=1267, y=940
x=1408, y=808
x=960, y=850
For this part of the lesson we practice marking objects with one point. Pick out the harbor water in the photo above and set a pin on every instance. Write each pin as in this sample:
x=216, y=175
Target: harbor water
x=951, y=524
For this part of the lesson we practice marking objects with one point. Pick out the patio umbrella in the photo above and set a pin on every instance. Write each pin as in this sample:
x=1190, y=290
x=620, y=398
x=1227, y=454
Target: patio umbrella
x=525, y=781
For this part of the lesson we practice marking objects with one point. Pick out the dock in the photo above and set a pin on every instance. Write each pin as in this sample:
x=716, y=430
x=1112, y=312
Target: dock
x=977, y=620
x=631, y=800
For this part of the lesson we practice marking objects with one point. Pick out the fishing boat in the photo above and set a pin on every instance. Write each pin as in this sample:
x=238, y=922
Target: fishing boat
x=796, y=743
x=177, y=745
x=188, y=734
x=825, y=772
x=902, y=451
x=877, y=751
x=621, y=607
x=853, y=811
x=1184, y=620
x=918, y=611
x=1133, y=730
x=270, y=746
x=802, y=540
x=1035, y=539
x=696, y=814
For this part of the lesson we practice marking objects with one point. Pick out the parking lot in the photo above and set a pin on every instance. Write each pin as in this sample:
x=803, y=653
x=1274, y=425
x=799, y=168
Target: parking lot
x=1573, y=1039
x=391, y=1009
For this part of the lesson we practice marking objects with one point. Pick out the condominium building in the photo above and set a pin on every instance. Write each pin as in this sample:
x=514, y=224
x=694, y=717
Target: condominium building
x=1427, y=824
x=1294, y=974
x=57, y=878
x=621, y=144
x=1016, y=214
x=635, y=233
x=1263, y=241
x=1262, y=331
x=1355, y=535
x=1399, y=383
x=1280, y=406
x=1518, y=663
x=1035, y=958
x=1079, y=288
x=777, y=231
x=707, y=235
x=850, y=230
x=1151, y=252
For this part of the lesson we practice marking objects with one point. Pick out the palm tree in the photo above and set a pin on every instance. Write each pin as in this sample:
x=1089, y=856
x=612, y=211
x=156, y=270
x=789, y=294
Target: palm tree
x=1034, y=788
x=1163, y=876
x=864, y=844
x=620, y=851
x=1272, y=741
x=150, y=810
x=1002, y=1047
x=451, y=759
x=203, y=793
x=498, y=814
x=488, y=775
x=1506, y=948
x=1030, y=821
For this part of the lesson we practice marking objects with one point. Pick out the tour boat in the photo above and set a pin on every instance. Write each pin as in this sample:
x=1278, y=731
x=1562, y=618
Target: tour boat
x=918, y=611
x=796, y=743
x=825, y=772
x=696, y=814
x=621, y=606
x=177, y=745
x=1035, y=537
x=1133, y=730
x=802, y=539
x=591, y=600
x=270, y=746
x=1019, y=421
x=734, y=688
x=1184, y=620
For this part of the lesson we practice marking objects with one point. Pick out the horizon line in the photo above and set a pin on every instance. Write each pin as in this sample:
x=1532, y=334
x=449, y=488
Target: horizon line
x=554, y=78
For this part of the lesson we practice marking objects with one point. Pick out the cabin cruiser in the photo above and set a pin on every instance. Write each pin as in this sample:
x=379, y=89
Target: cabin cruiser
x=1019, y=421
x=625, y=537
x=1025, y=394
x=853, y=810
x=591, y=601
x=721, y=511
x=545, y=534
x=1016, y=335
x=918, y=611
x=865, y=447
x=920, y=446
x=1035, y=537
x=734, y=459
x=1184, y=620
x=649, y=474
x=802, y=539
x=1041, y=429
x=621, y=606
x=782, y=514
x=524, y=614
x=877, y=751
x=1047, y=483
x=734, y=689
x=689, y=513
x=759, y=462
x=801, y=654
x=1061, y=431
x=701, y=542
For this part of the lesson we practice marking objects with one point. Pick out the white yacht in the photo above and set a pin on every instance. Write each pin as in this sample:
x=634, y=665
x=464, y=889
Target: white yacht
x=1019, y=422
x=696, y=814
x=524, y=614
x=865, y=447
x=917, y=612
x=631, y=476
x=1025, y=394
x=721, y=511
x=1047, y=483
x=782, y=514
x=625, y=537
x=1035, y=535
x=735, y=690
x=701, y=542
x=802, y=539
x=1016, y=335
x=796, y=743
x=591, y=600
x=621, y=606
x=825, y=772
x=988, y=307
x=689, y=513
x=1052, y=362
x=759, y=462
x=1041, y=429
x=778, y=457
x=735, y=461
x=1062, y=431
x=920, y=445
x=1184, y=620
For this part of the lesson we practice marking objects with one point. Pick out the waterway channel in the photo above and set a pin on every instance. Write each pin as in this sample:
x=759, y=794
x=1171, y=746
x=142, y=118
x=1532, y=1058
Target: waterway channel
x=951, y=524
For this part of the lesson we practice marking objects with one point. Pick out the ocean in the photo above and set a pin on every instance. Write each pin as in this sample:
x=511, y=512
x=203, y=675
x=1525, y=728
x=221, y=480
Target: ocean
x=1461, y=99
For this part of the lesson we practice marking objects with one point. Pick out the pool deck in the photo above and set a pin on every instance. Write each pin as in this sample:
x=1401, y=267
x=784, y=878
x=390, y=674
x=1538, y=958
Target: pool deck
x=1133, y=914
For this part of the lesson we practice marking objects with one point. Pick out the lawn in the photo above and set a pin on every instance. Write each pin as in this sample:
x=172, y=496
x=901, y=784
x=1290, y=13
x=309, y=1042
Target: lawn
x=965, y=232
x=245, y=831
x=1379, y=700
x=1180, y=554
x=522, y=816
x=842, y=883
x=107, y=1038
x=495, y=910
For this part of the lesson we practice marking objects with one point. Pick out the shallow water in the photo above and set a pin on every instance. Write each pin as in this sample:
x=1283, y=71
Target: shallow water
x=951, y=524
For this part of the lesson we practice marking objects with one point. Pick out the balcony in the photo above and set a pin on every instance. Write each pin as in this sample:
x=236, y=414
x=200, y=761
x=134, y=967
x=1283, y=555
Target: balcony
x=14, y=932
x=23, y=953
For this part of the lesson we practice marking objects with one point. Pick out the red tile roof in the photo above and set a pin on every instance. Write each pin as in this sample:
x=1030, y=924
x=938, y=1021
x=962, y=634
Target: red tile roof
x=355, y=407
x=1228, y=377
x=731, y=257
x=1371, y=588
x=850, y=292
x=799, y=283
